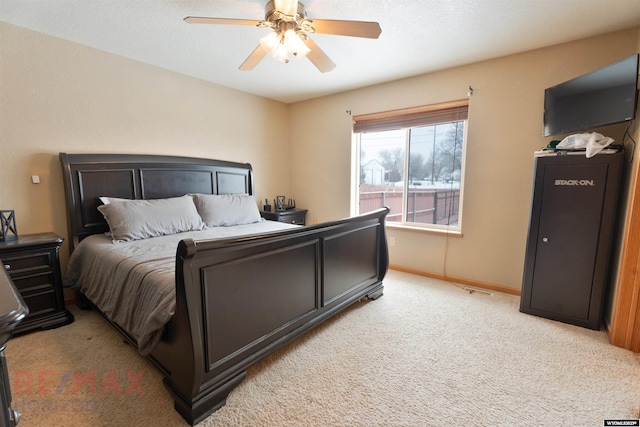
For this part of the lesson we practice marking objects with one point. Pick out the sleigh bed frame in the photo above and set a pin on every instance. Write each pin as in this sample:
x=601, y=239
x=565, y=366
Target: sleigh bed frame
x=280, y=284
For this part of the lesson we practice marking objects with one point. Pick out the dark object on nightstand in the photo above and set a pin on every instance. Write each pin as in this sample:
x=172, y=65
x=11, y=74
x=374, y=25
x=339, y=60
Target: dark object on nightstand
x=8, y=231
x=33, y=263
x=291, y=216
x=12, y=311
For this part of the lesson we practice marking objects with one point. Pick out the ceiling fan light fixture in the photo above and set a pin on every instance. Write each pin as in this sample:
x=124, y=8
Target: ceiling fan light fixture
x=273, y=44
x=294, y=44
x=270, y=42
x=281, y=53
x=281, y=44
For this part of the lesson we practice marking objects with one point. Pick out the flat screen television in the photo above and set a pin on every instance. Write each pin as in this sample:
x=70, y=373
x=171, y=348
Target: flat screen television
x=602, y=97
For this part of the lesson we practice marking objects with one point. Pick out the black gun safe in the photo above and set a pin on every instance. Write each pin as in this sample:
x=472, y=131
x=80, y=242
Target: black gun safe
x=571, y=232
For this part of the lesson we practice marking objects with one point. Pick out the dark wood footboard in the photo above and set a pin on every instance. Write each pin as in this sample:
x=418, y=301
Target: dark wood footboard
x=238, y=300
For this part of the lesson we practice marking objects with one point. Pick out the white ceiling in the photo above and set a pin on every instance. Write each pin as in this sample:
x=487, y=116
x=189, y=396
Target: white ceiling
x=418, y=36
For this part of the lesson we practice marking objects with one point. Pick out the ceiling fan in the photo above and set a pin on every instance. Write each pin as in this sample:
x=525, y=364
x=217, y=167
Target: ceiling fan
x=291, y=30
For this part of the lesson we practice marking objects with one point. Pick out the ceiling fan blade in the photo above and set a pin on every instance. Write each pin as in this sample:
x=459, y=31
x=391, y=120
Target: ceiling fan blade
x=318, y=57
x=288, y=7
x=253, y=59
x=369, y=30
x=226, y=21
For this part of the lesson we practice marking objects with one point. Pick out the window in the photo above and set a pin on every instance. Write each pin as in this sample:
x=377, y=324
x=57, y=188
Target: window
x=413, y=162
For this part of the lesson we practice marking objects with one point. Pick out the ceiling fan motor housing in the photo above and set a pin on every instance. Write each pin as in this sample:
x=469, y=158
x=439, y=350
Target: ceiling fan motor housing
x=273, y=15
x=280, y=21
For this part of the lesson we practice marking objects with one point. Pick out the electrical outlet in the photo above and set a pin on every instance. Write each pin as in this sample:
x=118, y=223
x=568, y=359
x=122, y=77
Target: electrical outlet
x=392, y=241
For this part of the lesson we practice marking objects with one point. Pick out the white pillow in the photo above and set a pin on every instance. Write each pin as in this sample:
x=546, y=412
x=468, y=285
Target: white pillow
x=141, y=219
x=226, y=210
x=107, y=200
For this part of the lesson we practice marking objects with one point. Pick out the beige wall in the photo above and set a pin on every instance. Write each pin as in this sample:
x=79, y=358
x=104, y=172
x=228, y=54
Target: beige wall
x=505, y=128
x=57, y=96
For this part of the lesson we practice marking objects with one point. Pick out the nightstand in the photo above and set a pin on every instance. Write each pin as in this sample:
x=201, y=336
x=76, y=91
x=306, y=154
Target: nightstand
x=33, y=263
x=290, y=216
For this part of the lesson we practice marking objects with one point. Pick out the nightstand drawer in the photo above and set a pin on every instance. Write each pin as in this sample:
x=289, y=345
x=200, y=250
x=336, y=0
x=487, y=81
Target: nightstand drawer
x=34, y=282
x=292, y=219
x=27, y=261
x=40, y=303
x=292, y=216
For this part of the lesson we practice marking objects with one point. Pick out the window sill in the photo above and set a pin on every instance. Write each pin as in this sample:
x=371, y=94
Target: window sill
x=439, y=231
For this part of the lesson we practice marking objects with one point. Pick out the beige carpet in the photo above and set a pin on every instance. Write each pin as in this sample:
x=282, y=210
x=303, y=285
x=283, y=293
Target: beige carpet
x=428, y=353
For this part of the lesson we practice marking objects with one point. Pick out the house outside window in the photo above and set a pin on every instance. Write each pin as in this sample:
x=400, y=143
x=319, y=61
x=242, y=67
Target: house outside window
x=413, y=162
x=373, y=173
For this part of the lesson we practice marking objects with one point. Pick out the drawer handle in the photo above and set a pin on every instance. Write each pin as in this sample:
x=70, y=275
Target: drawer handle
x=7, y=266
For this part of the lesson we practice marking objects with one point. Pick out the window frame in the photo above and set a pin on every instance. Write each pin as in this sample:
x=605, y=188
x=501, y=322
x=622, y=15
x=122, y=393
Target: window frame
x=428, y=115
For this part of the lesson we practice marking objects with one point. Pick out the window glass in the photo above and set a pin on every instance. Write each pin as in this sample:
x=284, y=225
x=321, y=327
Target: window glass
x=382, y=171
x=417, y=172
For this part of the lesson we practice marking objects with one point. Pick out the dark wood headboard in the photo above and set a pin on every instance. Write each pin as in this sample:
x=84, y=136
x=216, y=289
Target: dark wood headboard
x=90, y=176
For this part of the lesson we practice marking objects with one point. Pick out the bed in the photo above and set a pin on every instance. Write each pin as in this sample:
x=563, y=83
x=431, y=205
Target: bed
x=236, y=292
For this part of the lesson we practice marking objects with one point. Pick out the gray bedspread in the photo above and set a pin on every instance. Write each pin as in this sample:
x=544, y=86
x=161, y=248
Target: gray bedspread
x=133, y=283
